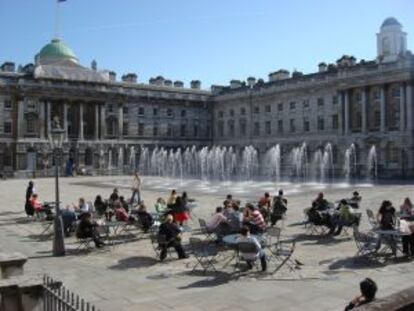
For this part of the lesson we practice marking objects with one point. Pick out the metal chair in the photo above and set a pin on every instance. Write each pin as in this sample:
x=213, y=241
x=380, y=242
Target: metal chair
x=245, y=250
x=84, y=243
x=204, y=253
x=355, y=222
x=366, y=243
x=283, y=256
x=203, y=229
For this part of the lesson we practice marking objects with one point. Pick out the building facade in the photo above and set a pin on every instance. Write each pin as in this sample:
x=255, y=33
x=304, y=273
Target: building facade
x=365, y=104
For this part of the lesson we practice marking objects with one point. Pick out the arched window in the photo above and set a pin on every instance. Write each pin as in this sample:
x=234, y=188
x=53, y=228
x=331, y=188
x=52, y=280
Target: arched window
x=393, y=153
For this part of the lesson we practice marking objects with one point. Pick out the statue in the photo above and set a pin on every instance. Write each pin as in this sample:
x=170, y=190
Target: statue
x=56, y=123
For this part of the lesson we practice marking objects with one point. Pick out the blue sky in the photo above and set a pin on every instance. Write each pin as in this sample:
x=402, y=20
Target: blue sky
x=210, y=40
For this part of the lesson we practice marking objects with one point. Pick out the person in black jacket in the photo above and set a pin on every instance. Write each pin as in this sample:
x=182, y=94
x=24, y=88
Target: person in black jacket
x=29, y=209
x=172, y=234
x=368, y=290
x=179, y=211
x=88, y=229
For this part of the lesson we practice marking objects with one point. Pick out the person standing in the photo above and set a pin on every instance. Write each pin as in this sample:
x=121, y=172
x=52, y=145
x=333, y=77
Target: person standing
x=29, y=209
x=136, y=189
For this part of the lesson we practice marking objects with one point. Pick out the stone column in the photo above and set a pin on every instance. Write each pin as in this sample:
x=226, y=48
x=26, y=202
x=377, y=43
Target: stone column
x=120, y=121
x=402, y=107
x=81, y=121
x=42, y=119
x=65, y=120
x=103, y=122
x=20, y=119
x=96, y=122
x=382, y=107
x=364, y=110
x=409, y=100
x=49, y=117
x=346, y=112
x=340, y=113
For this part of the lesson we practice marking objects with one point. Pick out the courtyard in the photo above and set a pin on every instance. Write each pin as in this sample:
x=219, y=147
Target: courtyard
x=128, y=276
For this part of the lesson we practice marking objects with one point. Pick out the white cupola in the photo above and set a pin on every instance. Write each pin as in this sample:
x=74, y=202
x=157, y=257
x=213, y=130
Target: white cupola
x=391, y=41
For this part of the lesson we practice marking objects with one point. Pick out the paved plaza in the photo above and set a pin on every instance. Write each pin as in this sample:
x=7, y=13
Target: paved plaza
x=129, y=277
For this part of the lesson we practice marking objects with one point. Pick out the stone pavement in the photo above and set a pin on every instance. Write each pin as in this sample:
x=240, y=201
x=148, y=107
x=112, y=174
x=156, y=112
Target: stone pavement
x=128, y=277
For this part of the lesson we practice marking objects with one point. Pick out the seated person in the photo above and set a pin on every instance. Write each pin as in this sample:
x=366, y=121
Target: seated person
x=100, y=206
x=228, y=201
x=228, y=209
x=386, y=216
x=82, y=207
x=255, y=220
x=407, y=207
x=355, y=200
x=88, y=229
x=160, y=206
x=172, y=235
x=344, y=217
x=279, y=208
x=319, y=218
x=171, y=199
x=120, y=213
x=68, y=220
x=218, y=223
x=124, y=203
x=36, y=204
x=250, y=258
x=368, y=290
x=114, y=196
x=145, y=218
x=264, y=206
x=235, y=219
x=320, y=203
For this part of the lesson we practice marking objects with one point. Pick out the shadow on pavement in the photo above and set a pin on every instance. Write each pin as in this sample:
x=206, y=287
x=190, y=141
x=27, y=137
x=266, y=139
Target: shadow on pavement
x=134, y=262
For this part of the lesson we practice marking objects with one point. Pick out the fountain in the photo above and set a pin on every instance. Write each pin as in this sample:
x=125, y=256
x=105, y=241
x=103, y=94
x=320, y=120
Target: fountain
x=322, y=164
x=372, y=163
x=350, y=164
x=110, y=159
x=249, y=163
x=120, y=158
x=272, y=163
x=132, y=158
x=299, y=161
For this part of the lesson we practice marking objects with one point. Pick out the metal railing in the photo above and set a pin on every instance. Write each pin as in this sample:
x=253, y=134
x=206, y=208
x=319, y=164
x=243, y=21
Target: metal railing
x=58, y=298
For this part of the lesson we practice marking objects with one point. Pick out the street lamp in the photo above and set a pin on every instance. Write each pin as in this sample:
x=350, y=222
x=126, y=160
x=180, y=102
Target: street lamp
x=56, y=136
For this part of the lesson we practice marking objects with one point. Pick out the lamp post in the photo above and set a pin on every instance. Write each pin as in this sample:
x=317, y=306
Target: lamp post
x=56, y=136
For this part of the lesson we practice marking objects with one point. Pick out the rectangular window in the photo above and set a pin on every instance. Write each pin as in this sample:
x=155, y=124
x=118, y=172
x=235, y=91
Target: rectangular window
x=268, y=108
x=220, y=128
x=292, y=126
x=243, y=111
x=140, y=129
x=110, y=108
x=7, y=127
x=7, y=104
x=169, y=130
x=141, y=111
x=280, y=107
x=335, y=100
x=30, y=126
x=306, y=124
x=280, y=126
x=321, y=102
x=256, y=131
x=306, y=103
x=125, y=129
x=256, y=109
x=231, y=128
x=321, y=123
x=292, y=105
x=195, y=130
x=231, y=113
x=183, y=130
x=268, y=128
x=243, y=128
x=377, y=119
x=155, y=130
x=155, y=111
x=125, y=110
x=183, y=113
x=169, y=112
x=335, y=122
x=220, y=114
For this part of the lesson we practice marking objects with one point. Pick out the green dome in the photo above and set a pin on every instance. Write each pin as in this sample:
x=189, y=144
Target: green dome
x=56, y=51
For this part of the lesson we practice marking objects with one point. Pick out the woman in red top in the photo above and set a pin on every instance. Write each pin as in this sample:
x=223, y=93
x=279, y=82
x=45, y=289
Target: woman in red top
x=36, y=204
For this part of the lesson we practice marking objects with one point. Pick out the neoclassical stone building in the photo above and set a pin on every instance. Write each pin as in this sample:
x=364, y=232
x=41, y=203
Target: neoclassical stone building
x=365, y=103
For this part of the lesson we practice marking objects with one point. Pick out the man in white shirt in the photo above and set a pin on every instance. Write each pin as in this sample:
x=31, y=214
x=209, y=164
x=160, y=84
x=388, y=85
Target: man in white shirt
x=251, y=257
